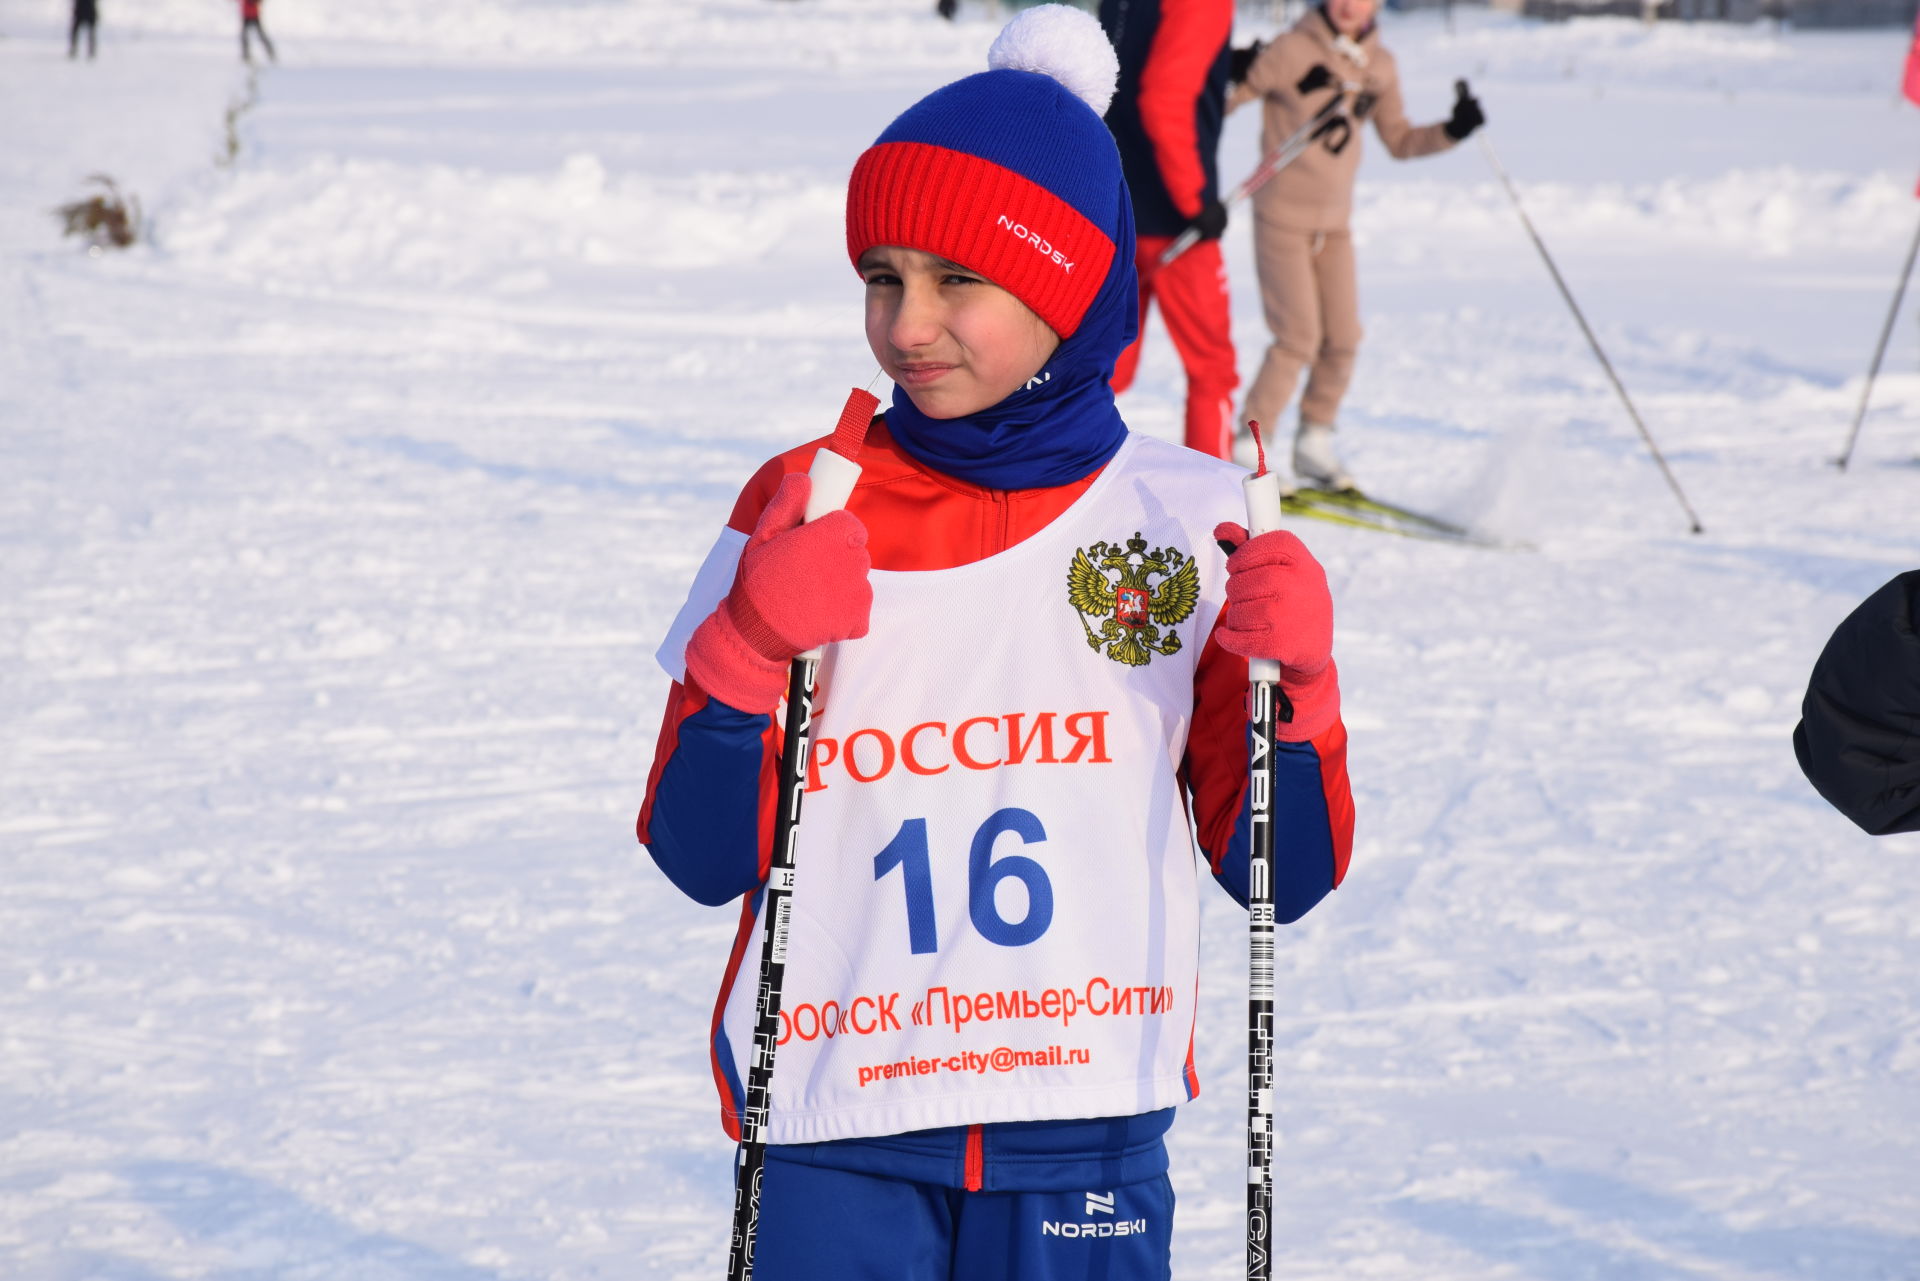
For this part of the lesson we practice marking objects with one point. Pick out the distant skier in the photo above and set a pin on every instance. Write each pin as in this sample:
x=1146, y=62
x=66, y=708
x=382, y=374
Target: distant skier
x=1166, y=116
x=991, y=972
x=1858, y=740
x=1303, y=249
x=250, y=24
x=84, y=15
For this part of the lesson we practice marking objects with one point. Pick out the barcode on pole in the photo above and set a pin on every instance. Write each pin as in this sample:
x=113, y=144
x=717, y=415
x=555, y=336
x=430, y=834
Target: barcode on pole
x=781, y=911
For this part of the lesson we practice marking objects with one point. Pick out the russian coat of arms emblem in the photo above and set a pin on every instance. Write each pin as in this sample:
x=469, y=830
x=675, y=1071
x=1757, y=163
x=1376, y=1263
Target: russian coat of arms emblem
x=1130, y=598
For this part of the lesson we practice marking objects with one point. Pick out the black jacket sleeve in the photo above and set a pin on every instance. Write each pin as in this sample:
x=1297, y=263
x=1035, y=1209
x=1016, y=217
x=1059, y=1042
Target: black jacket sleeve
x=1859, y=734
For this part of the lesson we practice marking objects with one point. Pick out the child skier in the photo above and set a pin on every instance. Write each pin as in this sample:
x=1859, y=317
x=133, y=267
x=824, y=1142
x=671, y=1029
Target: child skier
x=992, y=962
x=1302, y=245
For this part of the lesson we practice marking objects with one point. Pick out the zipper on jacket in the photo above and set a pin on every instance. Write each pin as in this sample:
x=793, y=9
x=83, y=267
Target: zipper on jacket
x=976, y=1158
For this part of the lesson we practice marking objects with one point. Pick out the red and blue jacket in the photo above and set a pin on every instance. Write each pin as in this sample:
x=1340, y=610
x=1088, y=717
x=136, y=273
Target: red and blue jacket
x=1167, y=112
x=708, y=816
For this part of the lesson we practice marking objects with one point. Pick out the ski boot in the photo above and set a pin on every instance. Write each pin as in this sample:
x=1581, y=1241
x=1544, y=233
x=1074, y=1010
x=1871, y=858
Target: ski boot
x=1315, y=462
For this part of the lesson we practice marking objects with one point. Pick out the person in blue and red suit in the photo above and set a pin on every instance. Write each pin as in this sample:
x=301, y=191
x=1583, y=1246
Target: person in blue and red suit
x=1174, y=63
x=1032, y=703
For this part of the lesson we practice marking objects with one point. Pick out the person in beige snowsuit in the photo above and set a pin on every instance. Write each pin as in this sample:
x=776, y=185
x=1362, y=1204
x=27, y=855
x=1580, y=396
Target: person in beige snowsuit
x=1302, y=247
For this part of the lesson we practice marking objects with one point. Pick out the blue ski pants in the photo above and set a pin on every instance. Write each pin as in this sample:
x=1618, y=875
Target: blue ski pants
x=819, y=1224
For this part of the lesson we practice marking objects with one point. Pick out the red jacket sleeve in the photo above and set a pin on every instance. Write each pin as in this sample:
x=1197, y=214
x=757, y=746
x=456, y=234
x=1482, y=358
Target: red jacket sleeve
x=1189, y=38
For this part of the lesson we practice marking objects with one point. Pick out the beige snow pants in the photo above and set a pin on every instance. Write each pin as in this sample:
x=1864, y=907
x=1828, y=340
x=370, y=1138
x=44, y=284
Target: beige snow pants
x=1311, y=299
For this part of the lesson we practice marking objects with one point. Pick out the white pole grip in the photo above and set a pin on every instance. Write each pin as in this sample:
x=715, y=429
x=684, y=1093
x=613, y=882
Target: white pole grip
x=833, y=477
x=1263, y=503
x=1263, y=516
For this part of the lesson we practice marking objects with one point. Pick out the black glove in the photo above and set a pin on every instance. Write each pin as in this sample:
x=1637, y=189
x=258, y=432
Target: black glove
x=1467, y=115
x=1239, y=60
x=1317, y=77
x=1212, y=221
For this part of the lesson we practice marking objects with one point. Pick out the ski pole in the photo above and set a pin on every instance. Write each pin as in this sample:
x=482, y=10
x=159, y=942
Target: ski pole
x=1886, y=332
x=1266, y=702
x=833, y=473
x=1270, y=164
x=1460, y=88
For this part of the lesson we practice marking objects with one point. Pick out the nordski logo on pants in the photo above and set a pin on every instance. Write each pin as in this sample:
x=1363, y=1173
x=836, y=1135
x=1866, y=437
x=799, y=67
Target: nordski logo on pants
x=1089, y=1231
x=1097, y=1203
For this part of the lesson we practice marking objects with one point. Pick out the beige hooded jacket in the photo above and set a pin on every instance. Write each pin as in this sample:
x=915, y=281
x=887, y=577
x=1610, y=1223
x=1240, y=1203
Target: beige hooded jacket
x=1315, y=192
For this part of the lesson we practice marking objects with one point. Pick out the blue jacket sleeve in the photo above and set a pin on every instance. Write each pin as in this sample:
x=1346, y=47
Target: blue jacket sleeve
x=1312, y=799
x=1306, y=865
x=702, y=822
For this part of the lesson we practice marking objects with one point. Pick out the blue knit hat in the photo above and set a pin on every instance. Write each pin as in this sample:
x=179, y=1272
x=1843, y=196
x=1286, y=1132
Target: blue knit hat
x=1012, y=173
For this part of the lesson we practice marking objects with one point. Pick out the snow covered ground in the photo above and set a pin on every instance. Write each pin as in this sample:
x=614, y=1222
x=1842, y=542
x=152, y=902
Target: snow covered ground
x=340, y=519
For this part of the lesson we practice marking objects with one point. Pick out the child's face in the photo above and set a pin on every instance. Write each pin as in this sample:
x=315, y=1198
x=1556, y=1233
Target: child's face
x=955, y=342
x=1350, y=16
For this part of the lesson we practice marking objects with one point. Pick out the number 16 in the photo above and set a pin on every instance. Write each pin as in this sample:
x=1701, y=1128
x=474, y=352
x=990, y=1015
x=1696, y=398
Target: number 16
x=908, y=852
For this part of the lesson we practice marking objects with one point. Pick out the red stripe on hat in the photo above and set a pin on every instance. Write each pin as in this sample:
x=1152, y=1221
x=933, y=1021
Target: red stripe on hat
x=985, y=217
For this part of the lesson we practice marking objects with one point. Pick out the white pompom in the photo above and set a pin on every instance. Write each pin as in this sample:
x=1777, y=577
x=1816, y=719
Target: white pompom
x=1066, y=43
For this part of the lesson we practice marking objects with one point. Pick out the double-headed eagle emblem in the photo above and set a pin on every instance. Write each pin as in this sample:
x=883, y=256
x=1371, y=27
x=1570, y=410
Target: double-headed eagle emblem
x=1112, y=585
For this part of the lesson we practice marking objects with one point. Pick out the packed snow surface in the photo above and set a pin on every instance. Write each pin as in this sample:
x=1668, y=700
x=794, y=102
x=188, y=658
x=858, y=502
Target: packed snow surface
x=341, y=516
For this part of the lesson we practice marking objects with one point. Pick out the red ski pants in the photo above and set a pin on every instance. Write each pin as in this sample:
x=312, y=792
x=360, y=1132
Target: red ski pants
x=1192, y=292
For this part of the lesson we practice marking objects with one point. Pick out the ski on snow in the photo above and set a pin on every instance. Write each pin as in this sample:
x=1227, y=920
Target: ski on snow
x=1356, y=510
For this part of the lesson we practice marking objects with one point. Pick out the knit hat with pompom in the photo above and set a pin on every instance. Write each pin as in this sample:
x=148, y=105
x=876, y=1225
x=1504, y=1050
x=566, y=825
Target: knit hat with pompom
x=1010, y=173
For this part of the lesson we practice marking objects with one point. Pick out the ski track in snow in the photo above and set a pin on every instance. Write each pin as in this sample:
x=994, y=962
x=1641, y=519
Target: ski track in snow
x=341, y=520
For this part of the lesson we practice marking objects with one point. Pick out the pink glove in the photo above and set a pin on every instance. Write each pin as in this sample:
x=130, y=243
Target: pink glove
x=797, y=587
x=1278, y=607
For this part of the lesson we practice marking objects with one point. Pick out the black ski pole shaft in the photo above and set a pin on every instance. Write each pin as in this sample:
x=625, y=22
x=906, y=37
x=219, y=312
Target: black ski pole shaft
x=1261, y=933
x=1270, y=164
x=1879, y=351
x=1593, y=342
x=833, y=473
x=1266, y=702
x=773, y=970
